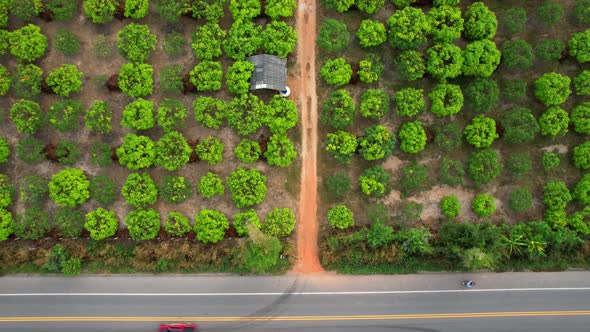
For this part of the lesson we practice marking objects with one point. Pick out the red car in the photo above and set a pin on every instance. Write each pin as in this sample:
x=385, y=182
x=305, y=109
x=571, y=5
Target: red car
x=178, y=327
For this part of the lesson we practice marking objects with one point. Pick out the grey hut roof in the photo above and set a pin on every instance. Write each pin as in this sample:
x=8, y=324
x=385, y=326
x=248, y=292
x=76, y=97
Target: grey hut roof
x=270, y=72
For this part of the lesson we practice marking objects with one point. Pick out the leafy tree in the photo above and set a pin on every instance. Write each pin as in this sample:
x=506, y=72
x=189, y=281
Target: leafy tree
x=69, y=187
x=514, y=90
x=549, y=49
x=446, y=23
x=554, y=121
x=7, y=191
x=138, y=115
x=409, y=102
x=517, y=54
x=172, y=151
x=4, y=150
x=552, y=89
x=380, y=235
x=210, y=149
x=411, y=65
x=67, y=152
x=27, y=81
x=450, y=206
x=5, y=80
x=210, y=185
x=371, y=33
x=338, y=185
x=582, y=11
x=482, y=94
x=336, y=72
x=247, y=187
x=248, y=151
x=280, y=151
x=579, y=46
x=30, y=150
x=340, y=217
x=209, y=111
x=27, y=116
x=65, y=80
x=28, y=43
x=101, y=154
x=414, y=177
x=281, y=114
x=62, y=10
x=136, y=152
x=520, y=125
x=69, y=222
x=6, y=224
x=33, y=189
x=333, y=36
x=174, y=44
x=520, y=200
x=582, y=156
x=143, y=224
x=176, y=224
x=480, y=58
x=276, y=9
x=32, y=224
x=412, y=137
x=98, y=117
x=175, y=189
x=238, y=77
x=101, y=223
x=483, y=166
x=210, y=225
x=338, y=109
x=136, y=42
x=446, y=99
x=550, y=160
x=519, y=163
x=377, y=142
x=103, y=47
x=408, y=28
x=483, y=205
x=243, y=40
x=171, y=115
x=244, y=221
x=556, y=195
x=278, y=38
x=207, y=40
x=139, y=190
x=479, y=22
x=582, y=83
x=245, y=9
x=207, y=75
x=103, y=189
x=100, y=11
x=245, y=113
x=514, y=20
x=66, y=42
x=340, y=5
x=136, y=79
x=549, y=13
x=481, y=132
x=136, y=9
x=581, y=118
x=279, y=222
x=369, y=6
x=170, y=10
x=370, y=68
x=375, y=181
x=374, y=103
x=581, y=191
x=171, y=79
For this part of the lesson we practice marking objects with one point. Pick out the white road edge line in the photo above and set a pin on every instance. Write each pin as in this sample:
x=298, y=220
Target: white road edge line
x=478, y=290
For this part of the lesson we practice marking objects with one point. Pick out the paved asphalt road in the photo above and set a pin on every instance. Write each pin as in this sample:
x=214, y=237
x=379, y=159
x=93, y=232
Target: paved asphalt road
x=320, y=303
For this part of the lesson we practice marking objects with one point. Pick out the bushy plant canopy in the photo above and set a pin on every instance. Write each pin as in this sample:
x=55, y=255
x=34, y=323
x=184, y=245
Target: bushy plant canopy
x=69, y=187
x=136, y=42
x=210, y=225
x=278, y=38
x=136, y=79
x=480, y=58
x=408, y=28
x=338, y=109
x=480, y=22
x=552, y=89
x=28, y=43
x=446, y=99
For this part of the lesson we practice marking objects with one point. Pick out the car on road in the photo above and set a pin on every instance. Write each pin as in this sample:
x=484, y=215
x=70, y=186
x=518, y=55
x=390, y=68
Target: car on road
x=178, y=327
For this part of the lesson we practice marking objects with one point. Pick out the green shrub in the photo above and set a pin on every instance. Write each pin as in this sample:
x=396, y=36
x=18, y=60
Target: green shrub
x=28, y=43
x=174, y=44
x=101, y=154
x=451, y=172
x=69, y=187
x=517, y=54
x=7, y=191
x=207, y=40
x=5, y=80
x=338, y=185
x=480, y=58
x=378, y=213
x=210, y=185
x=444, y=61
x=248, y=151
x=136, y=9
x=333, y=36
x=245, y=9
x=278, y=38
x=280, y=150
x=238, y=77
x=483, y=205
x=30, y=150
x=101, y=223
x=280, y=8
x=446, y=23
x=136, y=79
x=98, y=117
x=170, y=10
x=100, y=11
x=64, y=115
x=552, y=89
x=103, y=189
x=482, y=94
x=66, y=42
x=6, y=224
x=175, y=189
x=176, y=224
x=379, y=235
x=450, y=206
x=341, y=145
x=377, y=142
x=247, y=187
x=479, y=22
x=171, y=115
x=582, y=83
x=26, y=116
x=279, y=222
x=210, y=226
x=340, y=5
x=62, y=10
x=336, y=72
x=138, y=115
x=514, y=90
x=483, y=166
x=414, y=178
x=581, y=118
x=520, y=200
x=408, y=28
x=143, y=224
x=411, y=211
x=244, y=221
x=409, y=102
x=210, y=149
x=374, y=103
x=514, y=20
x=340, y=217
x=207, y=75
x=411, y=65
x=549, y=49
x=556, y=195
x=554, y=121
x=481, y=132
x=549, y=12
x=581, y=191
x=338, y=109
x=245, y=113
x=32, y=224
x=550, y=160
x=33, y=189
x=139, y=190
x=243, y=40
x=68, y=222
x=370, y=68
x=582, y=11
x=448, y=136
x=102, y=47
x=171, y=79
x=371, y=33
x=412, y=137
x=519, y=163
x=65, y=80
x=209, y=111
x=374, y=181
x=4, y=150
x=67, y=152
x=582, y=156
x=71, y=267
x=520, y=125
x=446, y=99
x=280, y=114
x=579, y=46
x=136, y=152
x=136, y=42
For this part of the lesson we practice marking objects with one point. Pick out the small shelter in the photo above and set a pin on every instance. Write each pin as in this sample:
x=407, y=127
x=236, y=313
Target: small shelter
x=270, y=72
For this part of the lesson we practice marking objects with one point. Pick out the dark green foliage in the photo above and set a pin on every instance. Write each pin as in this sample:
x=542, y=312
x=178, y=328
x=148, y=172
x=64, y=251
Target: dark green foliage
x=207, y=40
x=556, y=195
x=136, y=79
x=248, y=151
x=371, y=33
x=170, y=10
x=457, y=238
x=369, y=6
x=481, y=132
x=136, y=42
x=581, y=118
x=245, y=113
x=448, y=136
x=552, y=89
x=98, y=117
x=519, y=164
x=143, y=224
x=514, y=20
x=4, y=150
x=177, y=224
x=333, y=36
x=63, y=10
x=482, y=94
x=446, y=23
x=579, y=46
x=582, y=11
x=411, y=65
x=136, y=152
x=481, y=58
x=479, y=22
x=341, y=145
x=244, y=221
x=370, y=68
x=582, y=156
x=138, y=115
x=65, y=80
x=520, y=200
x=338, y=109
x=101, y=154
x=279, y=222
x=517, y=54
x=409, y=102
x=340, y=217
x=136, y=8
x=520, y=125
x=171, y=79
x=550, y=160
x=280, y=150
x=243, y=40
x=207, y=75
x=278, y=38
x=30, y=150
x=408, y=28
x=28, y=43
x=450, y=206
x=172, y=151
x=379, y=235
x=281, y=114
x=210, y=225
x=374, y=103
x=26, y=116
x=280, y=8
x=25, y=10
x=66, y=42
x=261, y=254
x=33, y=189
x=174, y=44
x=483, y=166
x=549, y=49
x=514, y=90
x=67, y=152
x=4, y=37
x=210, y=185
x=238, y=77
x=377, y=142
x=582, y=83
x=210, y=149
x=171, y=115
x=101, y=223
x=175, y=189
x=412, y=137
x=69, y=187
x=140, y=190
x=375, y=181
x=27, y=81
x=7, y=191
x=32, y=224
x=446, y=99
x=5, y=80
x=483, y=205
x=414, y=178
x=451, y=172
x=444, y=61
x=340, y=5
x=411, y=211
x=100, y=11
x=554, y=121
x=378, y=213
x=338, y=185
x=336, y=72
x=209, y=111
x=247, y=187
x=549, y=12
x=103, y=189
x=68, y=222
x=581, y=191
x=64, y=115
